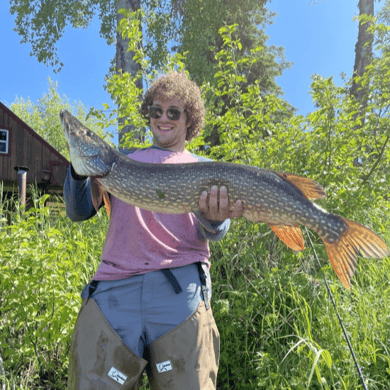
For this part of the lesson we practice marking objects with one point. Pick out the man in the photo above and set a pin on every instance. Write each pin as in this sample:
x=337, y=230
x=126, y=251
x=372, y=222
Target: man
x=148, y=304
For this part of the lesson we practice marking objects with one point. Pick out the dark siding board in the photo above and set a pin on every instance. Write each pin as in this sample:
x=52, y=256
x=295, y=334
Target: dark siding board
x=46, y=158
x=7, y=170
x=36, y=164
x=28, y=151
x=59, y=172
x=56, y=174
x=19, y=142
x=12, y=174
x=3, y=167
x=52, y=167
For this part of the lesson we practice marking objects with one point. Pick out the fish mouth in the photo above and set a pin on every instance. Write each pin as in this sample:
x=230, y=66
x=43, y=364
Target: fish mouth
x=72, y=125
x=64, y=123
x=71, y=132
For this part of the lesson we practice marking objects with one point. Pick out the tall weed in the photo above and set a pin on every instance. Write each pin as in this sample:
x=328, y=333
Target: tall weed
x=278, y=327
x=44, y=263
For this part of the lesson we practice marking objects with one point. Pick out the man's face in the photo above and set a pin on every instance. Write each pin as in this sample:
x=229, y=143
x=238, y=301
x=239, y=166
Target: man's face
x=167, y=133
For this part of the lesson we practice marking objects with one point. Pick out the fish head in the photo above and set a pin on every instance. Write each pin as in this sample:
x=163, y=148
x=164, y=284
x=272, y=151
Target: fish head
x=89, y=154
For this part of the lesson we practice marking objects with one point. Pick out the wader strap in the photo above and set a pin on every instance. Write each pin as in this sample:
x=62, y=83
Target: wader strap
x=171, y=277
x=203, y=278
x=92, y=287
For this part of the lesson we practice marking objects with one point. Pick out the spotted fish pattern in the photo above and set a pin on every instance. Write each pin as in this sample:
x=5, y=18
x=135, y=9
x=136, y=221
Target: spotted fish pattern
x=281, y=200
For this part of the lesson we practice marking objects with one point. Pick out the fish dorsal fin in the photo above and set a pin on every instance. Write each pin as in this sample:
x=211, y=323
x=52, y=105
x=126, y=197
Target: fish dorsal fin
x=290, y=235
x=309, y=188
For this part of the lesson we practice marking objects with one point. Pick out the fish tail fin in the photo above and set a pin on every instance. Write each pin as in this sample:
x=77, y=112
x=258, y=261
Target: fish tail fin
x=356, y=240
x=290, y=235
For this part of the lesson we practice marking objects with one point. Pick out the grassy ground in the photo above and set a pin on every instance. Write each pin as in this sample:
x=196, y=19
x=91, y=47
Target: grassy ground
x=278, y=327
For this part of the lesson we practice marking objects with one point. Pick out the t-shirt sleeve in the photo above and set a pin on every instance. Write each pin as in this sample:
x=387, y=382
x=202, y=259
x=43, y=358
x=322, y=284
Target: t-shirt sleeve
x=77, y=196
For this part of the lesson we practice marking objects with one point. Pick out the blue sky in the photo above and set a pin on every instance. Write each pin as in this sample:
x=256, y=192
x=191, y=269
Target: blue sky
x=318, y=38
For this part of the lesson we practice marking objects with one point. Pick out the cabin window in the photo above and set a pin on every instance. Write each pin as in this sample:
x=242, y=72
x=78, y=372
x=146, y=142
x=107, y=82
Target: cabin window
x=4, y=141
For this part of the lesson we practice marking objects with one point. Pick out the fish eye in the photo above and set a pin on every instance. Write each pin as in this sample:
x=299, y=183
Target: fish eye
x=88, y=133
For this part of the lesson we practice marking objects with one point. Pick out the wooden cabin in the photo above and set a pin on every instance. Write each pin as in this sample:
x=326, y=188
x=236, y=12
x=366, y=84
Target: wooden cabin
x=21, y=146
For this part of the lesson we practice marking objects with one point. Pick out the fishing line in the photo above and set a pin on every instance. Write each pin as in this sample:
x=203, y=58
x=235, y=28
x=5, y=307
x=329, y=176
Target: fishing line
x=2, y=373
x=338, y=316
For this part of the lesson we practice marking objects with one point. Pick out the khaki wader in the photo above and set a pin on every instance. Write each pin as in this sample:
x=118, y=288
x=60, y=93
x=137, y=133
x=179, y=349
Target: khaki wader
x=186, y=357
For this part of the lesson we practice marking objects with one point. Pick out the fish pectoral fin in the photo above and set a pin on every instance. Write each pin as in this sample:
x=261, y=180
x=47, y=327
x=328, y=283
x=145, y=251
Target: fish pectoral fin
x=98, y=195
x=206, y=224
x=309, y=188
x=107, y=203
x=357, y=240
x=290, y=235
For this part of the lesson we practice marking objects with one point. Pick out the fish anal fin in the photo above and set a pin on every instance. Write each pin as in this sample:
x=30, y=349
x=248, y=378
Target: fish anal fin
x=356, y=240
x=290, y=235
x=309, y=188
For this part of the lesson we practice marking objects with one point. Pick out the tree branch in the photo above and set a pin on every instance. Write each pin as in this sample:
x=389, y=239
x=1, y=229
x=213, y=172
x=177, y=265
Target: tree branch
x=375, y=165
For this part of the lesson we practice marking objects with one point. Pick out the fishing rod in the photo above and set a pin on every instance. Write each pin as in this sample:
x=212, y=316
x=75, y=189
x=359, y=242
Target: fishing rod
x=359, y=370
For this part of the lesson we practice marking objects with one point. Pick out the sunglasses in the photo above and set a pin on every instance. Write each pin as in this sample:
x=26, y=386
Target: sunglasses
x=172, y=113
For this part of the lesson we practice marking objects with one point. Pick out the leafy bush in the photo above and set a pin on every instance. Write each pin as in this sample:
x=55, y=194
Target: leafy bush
x=44, y=264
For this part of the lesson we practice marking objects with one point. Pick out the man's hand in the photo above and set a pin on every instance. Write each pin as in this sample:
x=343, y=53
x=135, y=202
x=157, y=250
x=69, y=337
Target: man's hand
x=218, y=209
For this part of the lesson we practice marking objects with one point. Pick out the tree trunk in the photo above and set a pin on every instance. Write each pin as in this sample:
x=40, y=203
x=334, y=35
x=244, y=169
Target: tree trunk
x=363, y=56
x=363, y=53
x=124, y=60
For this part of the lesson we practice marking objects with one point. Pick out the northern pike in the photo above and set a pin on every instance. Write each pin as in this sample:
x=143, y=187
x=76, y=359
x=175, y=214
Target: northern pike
x=281, y=200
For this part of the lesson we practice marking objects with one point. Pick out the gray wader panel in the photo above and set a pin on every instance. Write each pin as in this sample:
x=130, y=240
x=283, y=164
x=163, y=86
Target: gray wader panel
x=99, y=360
x=187, y=357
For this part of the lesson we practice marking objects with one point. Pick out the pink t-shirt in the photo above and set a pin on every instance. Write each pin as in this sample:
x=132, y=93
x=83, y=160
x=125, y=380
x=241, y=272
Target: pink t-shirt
x=140, y=241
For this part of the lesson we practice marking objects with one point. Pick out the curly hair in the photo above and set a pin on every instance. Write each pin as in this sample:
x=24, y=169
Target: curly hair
x=177, y=86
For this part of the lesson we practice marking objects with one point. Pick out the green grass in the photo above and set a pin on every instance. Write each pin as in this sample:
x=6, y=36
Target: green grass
x=278, y=327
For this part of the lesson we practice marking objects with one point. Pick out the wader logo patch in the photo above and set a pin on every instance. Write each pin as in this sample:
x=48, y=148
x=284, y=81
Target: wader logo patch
x=117, y=375
x=164, y=366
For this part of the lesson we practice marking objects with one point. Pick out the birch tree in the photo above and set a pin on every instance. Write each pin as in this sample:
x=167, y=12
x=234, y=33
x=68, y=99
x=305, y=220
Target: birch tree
x=363, y=48
x=125, y=59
